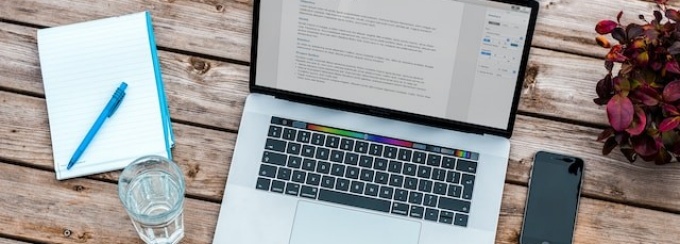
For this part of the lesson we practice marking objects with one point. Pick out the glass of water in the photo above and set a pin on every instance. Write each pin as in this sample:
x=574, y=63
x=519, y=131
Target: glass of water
x=152, y=191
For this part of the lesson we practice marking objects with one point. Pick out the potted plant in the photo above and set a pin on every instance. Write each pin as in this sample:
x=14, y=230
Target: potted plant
x=642, y=97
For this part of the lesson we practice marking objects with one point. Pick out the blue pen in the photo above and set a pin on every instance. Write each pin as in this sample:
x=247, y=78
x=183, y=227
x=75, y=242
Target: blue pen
x=110, y=108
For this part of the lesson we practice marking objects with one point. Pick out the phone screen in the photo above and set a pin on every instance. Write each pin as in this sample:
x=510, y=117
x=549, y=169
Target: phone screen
x=552, y=201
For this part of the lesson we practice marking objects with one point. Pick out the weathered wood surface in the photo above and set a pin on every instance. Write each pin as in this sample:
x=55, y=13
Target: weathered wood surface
x=210, y=93
x=11, y=241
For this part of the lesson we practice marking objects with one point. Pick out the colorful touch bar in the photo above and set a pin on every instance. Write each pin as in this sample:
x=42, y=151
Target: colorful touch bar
x=375, y=138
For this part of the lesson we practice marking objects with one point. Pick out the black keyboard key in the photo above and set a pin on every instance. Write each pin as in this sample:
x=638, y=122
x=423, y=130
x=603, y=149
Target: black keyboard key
x=351, y=158
x=294, y=162
x=439, y=188
x=357, y=187
x=372, y=189
x=394, y=167
x=361, y=147
x=279, y=121
x=284, y=174
x=468, y=182
x=381, y=177
x=419, y=157
x=292, y=188
x=278, y=186
x=390, y=152
x=275, y=131
x=396, y=180
x=267, y=170
x=323, y=167
x=328, y=182
x=309, y=192
x=454, y=204
x=366, y=161
x=322, y=153
x=309, y=164
x=404, y=154
x=431, y=214
x=467, y=166
x=415, y=197
x=430, y=200
x=410, y=183
x=386, y=192
x=367, y=175
x=410, y=169
x=380, y=164
x=417, y=212
x=454, y=191
x=313, y=179
x=434, y=160
x=308, y=151
x=438, y=174
x=275, y=145
x=460, y=220
x=354, y=200
x=347, y=144
x=274, y=158
x=342, y=184
x=304, y=136
x=352, y=172
x=337, y=156
x=453, y=177
x=400, y=208
x=424, y=171
x=375, y=149
x=446, y=217
x=263, y=183
x=289, y=134
x=318, y=139
x=401, y=195
x=338, y=170
x=425, y=185
x=299, y=176
x=332, y=141
x=449, y=163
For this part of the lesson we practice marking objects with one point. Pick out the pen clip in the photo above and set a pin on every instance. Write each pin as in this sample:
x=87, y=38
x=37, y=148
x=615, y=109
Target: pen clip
x=118, y=97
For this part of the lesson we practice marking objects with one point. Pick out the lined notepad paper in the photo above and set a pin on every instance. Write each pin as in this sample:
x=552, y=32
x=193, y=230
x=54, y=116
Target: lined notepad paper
x=82, y=65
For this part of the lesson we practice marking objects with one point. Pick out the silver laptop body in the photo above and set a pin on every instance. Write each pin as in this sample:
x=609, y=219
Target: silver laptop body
x=317, y=69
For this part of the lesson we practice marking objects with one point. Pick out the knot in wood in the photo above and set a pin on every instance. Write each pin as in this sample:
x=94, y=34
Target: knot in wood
x=199, y=65
x=78, y=188
x=219, y=8
x=530, y=76
x=67, y=232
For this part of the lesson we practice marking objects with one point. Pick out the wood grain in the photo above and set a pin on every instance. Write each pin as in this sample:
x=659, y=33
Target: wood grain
x=203, y=154
x=88, y=209
x=217, y=27
x=10, y=241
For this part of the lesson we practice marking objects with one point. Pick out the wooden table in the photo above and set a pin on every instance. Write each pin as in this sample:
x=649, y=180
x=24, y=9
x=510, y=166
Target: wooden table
x=204, y=51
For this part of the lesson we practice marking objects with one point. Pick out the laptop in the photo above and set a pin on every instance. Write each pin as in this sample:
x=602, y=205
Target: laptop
x=376, y=121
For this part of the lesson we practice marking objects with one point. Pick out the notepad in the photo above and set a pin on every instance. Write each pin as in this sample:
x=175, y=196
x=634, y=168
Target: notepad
x=82, y=65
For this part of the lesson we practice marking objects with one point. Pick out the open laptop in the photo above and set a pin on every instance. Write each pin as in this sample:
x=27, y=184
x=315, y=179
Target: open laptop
x=376, y=121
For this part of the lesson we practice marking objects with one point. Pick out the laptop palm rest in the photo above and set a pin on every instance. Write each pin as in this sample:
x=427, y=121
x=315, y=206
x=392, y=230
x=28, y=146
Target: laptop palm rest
x=317, y=223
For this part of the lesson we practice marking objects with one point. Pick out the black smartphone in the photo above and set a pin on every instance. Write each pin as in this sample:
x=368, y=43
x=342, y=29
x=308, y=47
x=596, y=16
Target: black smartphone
x=552, y=201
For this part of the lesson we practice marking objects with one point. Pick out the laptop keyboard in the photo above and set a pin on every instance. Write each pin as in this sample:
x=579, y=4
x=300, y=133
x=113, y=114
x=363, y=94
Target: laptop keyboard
x=368, y=171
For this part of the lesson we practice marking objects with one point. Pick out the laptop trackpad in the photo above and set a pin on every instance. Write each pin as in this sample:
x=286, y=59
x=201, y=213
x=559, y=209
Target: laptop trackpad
x=317, y=223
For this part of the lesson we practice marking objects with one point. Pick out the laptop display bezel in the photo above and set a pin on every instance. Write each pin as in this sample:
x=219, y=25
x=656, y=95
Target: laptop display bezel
x=395, y=114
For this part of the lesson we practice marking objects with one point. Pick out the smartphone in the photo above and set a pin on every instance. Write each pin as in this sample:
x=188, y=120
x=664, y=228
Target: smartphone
x=552, y=201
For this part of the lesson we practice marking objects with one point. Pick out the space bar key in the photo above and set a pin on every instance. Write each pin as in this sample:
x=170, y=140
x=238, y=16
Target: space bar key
x=354, y=200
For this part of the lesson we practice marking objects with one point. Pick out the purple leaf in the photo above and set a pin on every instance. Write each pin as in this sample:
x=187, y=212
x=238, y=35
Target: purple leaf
x=634, y=30
x=605, y=27
x=670, y=110
x=604, y=87
x=669, y=124
x=657, y=15
x=671, y=92
x=630, y=154
x=620, y=112
x=672, y=66
x=605, y=134
x=673, y=15
x=639, y=122
x=618, y=16
x=675, y=48
x=644, y=145
x=619, y=35
x=609, y=145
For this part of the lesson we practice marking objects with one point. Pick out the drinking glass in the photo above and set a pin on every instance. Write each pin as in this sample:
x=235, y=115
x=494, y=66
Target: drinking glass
x=152, y=191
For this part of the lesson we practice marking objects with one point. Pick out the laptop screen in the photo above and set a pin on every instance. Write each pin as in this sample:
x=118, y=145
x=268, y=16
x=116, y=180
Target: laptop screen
x=445, y=59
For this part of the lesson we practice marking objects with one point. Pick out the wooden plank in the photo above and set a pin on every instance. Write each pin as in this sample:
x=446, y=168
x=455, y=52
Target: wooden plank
x=10, y=241
x=597, y=221
x=195, y=87
x=221, y=28
x=38, y=207
x=203, y=154
x=24, y=137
